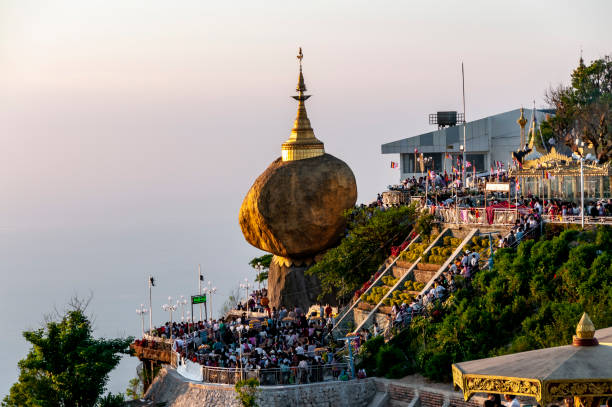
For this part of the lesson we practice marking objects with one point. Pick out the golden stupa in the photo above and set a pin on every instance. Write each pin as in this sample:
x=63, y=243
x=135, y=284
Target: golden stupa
x=295, y=207
x=302, y=142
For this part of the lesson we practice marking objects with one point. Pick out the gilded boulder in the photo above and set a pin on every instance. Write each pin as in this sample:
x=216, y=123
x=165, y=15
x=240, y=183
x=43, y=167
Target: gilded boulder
x=295, y=208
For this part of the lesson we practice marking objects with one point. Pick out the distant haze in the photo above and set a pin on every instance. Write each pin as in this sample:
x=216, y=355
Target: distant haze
x=130, y=131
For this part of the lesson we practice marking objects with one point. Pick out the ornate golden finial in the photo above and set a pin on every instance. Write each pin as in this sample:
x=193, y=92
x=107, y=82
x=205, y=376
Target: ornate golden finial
x=522, y=122
x=585, y=332
x=302, y=142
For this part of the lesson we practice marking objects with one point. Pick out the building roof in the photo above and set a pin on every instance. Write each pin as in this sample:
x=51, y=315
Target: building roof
x=454, y=135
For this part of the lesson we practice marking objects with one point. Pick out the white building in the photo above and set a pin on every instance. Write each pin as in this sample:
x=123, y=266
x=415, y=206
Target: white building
x=488, y=140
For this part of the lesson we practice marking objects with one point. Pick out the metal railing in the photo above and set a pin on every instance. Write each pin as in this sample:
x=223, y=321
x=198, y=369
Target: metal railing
x=588, y=220
x=476, y=216
x=277, y=376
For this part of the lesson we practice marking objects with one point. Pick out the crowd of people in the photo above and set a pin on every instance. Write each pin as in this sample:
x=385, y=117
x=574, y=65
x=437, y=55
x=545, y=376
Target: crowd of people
x=284, y=347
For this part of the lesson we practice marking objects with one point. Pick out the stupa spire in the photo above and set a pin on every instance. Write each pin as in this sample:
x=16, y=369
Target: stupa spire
x=302, y=142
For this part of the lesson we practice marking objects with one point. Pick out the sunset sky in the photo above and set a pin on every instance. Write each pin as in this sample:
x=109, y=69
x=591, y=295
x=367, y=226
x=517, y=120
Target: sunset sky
x=130, y=131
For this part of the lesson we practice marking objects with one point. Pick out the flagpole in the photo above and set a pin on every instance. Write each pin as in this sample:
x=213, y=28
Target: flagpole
x=200, y=287
x=464, y=123
x=150, y=306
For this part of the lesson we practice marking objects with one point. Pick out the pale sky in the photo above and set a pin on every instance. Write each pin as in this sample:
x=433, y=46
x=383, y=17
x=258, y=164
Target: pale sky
x=130, y=131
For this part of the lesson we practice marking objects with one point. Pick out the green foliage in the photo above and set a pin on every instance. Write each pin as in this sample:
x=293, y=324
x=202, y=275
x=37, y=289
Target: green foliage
x=264, y=260
x=247, y=392
x=371, y=233
x=112, y=400
x=584, y=107
x=533, y=298
x=424, y=224
x=66, y=365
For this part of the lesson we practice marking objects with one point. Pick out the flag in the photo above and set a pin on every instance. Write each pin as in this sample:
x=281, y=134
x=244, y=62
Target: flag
x=518, y=185
x=468, y=164
x=394, y=164
x=416, y=150
x=491, y=171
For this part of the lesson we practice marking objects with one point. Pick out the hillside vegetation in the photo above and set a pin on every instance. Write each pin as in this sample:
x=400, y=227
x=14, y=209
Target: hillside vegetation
x=533, y=298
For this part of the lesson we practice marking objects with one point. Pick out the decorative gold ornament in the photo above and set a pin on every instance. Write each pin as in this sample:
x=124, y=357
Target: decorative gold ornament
x=302, y=142
x=585, y=328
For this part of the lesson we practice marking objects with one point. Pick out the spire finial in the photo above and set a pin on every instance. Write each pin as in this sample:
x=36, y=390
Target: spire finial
x=301, y=86
x=300, y=56
x=585, y=332
x=302, y=143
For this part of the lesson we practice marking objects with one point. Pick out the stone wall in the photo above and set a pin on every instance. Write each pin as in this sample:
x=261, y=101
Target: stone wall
x=176, y=391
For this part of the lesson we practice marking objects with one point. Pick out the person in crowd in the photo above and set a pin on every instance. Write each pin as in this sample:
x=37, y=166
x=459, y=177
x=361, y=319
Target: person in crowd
x=511, y=400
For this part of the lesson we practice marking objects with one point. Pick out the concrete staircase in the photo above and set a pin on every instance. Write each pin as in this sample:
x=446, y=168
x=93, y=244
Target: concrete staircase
x=425, y=274
x=346, y=320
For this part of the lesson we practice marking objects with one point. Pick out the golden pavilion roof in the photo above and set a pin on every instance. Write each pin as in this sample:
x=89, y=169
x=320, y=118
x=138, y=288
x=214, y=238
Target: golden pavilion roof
x=302, y=142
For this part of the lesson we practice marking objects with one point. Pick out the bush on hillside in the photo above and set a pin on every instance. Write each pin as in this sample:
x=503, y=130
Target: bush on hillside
x=533, y=298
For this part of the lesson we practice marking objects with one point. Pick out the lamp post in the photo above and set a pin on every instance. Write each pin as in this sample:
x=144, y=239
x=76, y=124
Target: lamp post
x=170, y=308
x=462, y=149
x=259, y=267
x=142, y=311
x=246, y=287
x=182, y=302
x=210, y=291
x=580, y=153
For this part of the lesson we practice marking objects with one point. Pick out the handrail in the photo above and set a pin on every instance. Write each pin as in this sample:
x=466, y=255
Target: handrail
x=400, y=280
x=275, y=376
x=389, y=267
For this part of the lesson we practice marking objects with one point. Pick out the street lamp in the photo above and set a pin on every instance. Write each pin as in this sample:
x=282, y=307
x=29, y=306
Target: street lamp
x=259, y=267
x=210, y=291
x=462, y=149
x=246, y=287
x=580, y=153
x=142, y=311
x=170, y=308
x=182, y=302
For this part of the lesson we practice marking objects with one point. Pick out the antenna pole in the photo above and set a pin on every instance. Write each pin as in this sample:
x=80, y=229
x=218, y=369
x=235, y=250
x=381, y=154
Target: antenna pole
x=464, y=125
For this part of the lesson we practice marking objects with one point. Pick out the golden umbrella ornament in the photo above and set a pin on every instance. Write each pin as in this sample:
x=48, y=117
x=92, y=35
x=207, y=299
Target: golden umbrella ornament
x=582, y=370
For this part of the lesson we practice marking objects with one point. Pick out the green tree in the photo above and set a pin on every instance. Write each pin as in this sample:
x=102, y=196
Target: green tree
x=247, y=392
x=370, y=235
x=66, y=365
x=585, y=108
x=263, y=261
x=533, y=298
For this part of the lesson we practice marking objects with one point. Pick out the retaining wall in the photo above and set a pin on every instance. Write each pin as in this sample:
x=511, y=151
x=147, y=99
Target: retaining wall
x=176, y=391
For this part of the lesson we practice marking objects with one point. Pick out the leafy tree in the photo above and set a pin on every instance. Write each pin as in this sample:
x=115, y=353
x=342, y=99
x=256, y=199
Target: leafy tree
x=247, y=392
x=585, y=108
x=533, y=298
x=66, y=365
x=370, y=235
x=265, y=262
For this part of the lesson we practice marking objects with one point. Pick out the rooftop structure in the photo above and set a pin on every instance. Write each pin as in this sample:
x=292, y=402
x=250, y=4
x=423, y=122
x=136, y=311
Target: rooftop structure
x=488, y=140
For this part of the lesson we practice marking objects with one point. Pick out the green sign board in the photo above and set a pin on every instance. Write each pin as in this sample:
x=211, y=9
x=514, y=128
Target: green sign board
x=198, y=299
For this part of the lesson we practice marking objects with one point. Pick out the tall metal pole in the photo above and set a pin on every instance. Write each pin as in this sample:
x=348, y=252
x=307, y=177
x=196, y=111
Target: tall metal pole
x=581, y=194
x=464, y=125
x=150, y=305
x=200, y=287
